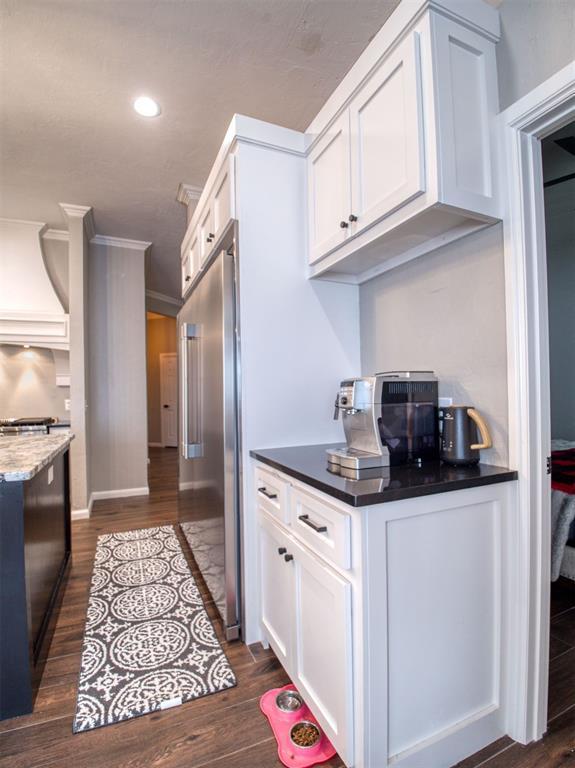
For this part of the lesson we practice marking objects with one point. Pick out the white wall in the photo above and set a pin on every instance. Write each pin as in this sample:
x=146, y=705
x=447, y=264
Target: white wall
x=117, y=332
x=537, y=40
x=446, y=312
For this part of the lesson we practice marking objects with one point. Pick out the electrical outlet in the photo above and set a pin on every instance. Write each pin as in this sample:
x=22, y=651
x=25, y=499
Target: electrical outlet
x=67, y=404
x=445, y=402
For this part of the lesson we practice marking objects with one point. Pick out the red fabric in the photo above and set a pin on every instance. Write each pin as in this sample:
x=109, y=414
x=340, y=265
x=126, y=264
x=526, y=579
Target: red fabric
x=563, y=471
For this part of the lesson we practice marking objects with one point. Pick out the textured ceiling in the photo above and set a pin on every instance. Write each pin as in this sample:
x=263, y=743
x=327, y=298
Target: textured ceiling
x=70, y=69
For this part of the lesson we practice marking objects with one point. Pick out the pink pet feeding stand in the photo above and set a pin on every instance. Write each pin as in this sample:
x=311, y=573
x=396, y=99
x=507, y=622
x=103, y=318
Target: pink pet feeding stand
x=282, y=722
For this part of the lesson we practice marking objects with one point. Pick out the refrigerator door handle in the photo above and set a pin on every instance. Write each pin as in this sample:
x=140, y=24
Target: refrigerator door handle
x=191, y=418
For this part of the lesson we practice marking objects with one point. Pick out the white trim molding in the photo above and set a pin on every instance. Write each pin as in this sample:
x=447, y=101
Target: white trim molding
x=120, y=493
x=56, y=234
x=120, y=242
x=163, y=297
x=84, y=212
x=83, y=514
x=546, y=109
x=155, y=445
x=187, y=193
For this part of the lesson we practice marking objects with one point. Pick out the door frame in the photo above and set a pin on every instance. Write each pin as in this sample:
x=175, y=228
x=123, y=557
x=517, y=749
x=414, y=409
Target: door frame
x=163, y=355
x=540, y=113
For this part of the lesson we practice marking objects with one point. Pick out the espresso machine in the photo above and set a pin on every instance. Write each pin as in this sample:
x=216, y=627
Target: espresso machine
x=389, y=419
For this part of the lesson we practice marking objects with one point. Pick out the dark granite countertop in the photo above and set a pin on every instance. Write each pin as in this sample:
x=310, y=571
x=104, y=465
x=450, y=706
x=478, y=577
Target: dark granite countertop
x=308, y=463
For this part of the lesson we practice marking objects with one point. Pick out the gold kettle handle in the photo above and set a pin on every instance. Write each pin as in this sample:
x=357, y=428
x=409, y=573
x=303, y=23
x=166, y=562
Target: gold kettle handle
x=483, y=430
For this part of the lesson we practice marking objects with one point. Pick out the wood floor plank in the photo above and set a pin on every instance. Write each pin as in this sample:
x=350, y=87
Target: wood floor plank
x=555, y=750
x=562, y=596
x=561, y=684
x=563, y=627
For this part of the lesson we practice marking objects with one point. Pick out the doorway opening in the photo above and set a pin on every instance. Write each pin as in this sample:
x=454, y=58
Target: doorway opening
x=547, y=109
x=162, y=385
x=558, y=158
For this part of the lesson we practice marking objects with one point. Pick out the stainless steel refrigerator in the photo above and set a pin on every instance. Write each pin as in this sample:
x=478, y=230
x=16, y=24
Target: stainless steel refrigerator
x=208, y=506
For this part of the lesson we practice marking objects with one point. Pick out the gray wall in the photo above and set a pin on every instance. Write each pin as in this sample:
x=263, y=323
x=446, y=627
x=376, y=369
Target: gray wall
x=537, y=40
x=117, y=332
x=28, y=384
x=560, y=231
x=446, y=312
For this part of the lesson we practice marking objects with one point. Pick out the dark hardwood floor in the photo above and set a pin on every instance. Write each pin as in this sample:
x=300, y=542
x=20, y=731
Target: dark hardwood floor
x=225, y=730
x=557, y=748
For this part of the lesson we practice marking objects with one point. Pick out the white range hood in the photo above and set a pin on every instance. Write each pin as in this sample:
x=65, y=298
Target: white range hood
x=30, y=310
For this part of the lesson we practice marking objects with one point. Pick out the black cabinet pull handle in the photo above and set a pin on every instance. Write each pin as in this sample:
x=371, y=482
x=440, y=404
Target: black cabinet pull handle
x=343, y=224
x=265, y=492
x=352, y=217
x=188, y=278
x=211, y=234
x=317, y=528
x=282, y=550
x=208, y=239
x=287, y=558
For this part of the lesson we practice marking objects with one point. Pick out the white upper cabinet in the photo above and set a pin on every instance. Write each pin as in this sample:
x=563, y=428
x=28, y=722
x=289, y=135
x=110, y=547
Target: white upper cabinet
x=206, y=234
x=402, y=156
x=386, y=138
x=215, y=209
x=223, y=198
x=329, y=180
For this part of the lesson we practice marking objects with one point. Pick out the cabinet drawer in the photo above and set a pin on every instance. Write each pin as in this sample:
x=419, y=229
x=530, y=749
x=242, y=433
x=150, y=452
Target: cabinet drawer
x=272, y=494
x=322, y=528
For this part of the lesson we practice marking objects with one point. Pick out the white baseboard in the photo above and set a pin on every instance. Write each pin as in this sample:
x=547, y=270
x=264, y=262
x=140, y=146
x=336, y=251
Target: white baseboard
x=156, y=445
x=121, y=493
x=82, y=514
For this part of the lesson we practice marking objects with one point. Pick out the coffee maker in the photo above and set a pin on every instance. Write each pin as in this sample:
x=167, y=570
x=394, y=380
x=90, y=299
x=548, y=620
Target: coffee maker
x=388, y=419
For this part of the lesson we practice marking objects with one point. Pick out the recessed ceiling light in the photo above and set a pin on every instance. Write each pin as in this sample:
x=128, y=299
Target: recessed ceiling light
x=147, y=107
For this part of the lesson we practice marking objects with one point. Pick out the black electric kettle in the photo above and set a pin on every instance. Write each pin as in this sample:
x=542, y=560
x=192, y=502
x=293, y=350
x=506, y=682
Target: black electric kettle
x=459, y=425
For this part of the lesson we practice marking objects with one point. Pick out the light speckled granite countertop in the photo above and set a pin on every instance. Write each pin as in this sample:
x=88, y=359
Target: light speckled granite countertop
x=23, y=456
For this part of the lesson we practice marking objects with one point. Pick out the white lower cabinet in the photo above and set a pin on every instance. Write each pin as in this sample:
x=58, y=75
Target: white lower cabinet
x=306, y=615
x=277, y=593
x=400, y=647
x=323, y=646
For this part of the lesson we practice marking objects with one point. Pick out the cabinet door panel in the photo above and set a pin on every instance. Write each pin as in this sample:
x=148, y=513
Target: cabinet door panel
x=323, y=665
x=186, y=273
x=329, y=189
x=223, y=199
x=277, y=590
x=205, y=232
x=387, y=137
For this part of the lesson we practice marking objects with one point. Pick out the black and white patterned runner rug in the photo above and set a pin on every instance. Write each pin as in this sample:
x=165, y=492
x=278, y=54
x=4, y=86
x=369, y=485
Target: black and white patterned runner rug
x=149, y=643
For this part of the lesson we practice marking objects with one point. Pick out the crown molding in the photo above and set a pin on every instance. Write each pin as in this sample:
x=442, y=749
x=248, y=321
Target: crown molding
x=164, y=297
x=56, y=234
x=85, y=212
x=120, y=242
x=187, y=193
x=38, y=224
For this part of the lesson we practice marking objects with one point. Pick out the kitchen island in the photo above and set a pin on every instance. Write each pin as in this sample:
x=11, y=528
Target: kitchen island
x=386, y=600
x=34, y=555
